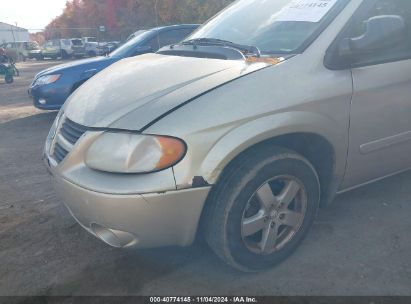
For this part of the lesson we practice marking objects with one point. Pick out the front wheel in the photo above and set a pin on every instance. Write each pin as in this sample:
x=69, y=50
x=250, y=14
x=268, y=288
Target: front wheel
x=263, y=208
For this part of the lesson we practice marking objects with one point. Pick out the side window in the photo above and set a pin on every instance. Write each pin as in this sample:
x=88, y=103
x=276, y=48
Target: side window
x=153, y=43
x=396, y=52
x=173, y=36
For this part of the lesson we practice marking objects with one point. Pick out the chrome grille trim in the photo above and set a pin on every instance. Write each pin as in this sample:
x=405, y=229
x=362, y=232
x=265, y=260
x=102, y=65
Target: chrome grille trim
x=59, y=152
x=64, y=143
x=67, y=136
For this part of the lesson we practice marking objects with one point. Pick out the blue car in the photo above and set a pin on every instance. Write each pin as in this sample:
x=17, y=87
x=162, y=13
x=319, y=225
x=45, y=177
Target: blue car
x=51, y=88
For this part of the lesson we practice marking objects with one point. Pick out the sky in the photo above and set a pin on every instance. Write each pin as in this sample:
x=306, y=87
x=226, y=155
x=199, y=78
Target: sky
x=30, y=14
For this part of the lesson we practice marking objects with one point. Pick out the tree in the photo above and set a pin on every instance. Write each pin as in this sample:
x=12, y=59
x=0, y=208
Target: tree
x=123, y=17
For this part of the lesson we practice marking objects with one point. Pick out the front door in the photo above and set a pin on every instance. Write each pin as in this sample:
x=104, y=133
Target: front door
x=380, y=128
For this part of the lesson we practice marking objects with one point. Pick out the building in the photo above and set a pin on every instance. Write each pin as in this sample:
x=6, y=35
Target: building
x=9, y=33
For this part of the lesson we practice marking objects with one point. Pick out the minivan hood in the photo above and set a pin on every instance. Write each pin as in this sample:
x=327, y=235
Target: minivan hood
x=135, y=91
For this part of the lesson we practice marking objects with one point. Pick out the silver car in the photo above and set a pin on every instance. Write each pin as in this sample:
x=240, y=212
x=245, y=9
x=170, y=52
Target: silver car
x=242, y=131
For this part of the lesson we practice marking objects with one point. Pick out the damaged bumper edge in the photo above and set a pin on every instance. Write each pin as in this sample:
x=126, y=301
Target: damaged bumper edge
x=140, y=220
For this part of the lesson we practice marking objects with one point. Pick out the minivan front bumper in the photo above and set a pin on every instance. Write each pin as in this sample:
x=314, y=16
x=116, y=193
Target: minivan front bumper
x=140, y=220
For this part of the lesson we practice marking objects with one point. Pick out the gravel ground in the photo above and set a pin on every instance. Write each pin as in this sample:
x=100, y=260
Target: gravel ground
x=359, y=246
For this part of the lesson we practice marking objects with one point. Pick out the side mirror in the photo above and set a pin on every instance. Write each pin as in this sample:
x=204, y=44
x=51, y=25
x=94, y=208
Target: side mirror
x=142, y=50
x=381, y=32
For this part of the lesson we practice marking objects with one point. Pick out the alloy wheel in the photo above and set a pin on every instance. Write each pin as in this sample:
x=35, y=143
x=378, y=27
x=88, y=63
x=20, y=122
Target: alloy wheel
x=274, y=214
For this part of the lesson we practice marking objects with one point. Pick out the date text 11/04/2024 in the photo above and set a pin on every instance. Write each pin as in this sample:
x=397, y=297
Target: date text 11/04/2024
x=236, y=299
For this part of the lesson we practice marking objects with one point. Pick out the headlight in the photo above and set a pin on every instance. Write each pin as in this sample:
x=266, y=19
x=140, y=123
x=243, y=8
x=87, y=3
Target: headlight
x=118, y=152
x=47, y=79
x=52, y=132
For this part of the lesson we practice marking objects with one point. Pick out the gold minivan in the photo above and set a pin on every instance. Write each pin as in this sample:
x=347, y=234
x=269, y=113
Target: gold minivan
x=242, y=131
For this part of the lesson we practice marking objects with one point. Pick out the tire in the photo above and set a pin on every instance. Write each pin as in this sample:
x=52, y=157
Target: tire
x=9, y=79
x=92, y=54
x=64, y=55
x=256, y=202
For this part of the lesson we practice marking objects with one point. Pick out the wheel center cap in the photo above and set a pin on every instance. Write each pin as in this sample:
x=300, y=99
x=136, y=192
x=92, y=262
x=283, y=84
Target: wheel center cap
x=273, y=214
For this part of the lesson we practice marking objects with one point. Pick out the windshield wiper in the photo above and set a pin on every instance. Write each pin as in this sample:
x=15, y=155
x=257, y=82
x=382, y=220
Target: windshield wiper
x=247, y=50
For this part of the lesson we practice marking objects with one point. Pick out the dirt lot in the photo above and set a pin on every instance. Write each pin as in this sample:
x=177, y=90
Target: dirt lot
x=359, y=246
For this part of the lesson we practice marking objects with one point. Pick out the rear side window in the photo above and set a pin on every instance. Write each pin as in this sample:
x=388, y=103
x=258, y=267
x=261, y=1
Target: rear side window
x=32, y=46
x=154, y=42
x=173, y=36
x=77, y=42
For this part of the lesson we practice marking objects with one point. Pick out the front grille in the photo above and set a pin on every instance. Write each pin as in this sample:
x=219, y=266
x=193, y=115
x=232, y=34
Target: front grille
x=72, y=131
x=59, y=153
x=67, y=136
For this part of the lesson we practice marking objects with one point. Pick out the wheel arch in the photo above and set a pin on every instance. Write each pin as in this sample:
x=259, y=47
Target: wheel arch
x=315, y=148
x=314, y=136
x=307, y=145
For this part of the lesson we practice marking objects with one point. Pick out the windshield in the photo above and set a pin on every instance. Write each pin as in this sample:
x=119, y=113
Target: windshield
x=129, y=47
x=275, y=27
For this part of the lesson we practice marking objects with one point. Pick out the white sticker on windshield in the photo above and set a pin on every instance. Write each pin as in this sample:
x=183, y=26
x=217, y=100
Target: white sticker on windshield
x=305, y=10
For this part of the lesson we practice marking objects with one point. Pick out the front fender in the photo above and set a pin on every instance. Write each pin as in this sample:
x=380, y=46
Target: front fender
x=246, y=135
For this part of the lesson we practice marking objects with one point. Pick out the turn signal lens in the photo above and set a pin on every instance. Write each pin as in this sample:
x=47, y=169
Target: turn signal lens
x=172, y=151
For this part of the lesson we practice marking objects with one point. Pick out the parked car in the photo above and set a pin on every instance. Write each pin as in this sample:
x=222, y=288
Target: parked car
x=21, y=50
x=93, y=47
x=63, y=48
x=110, y=47
x=78, y=47
x=242, y=131
x=51, y=88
